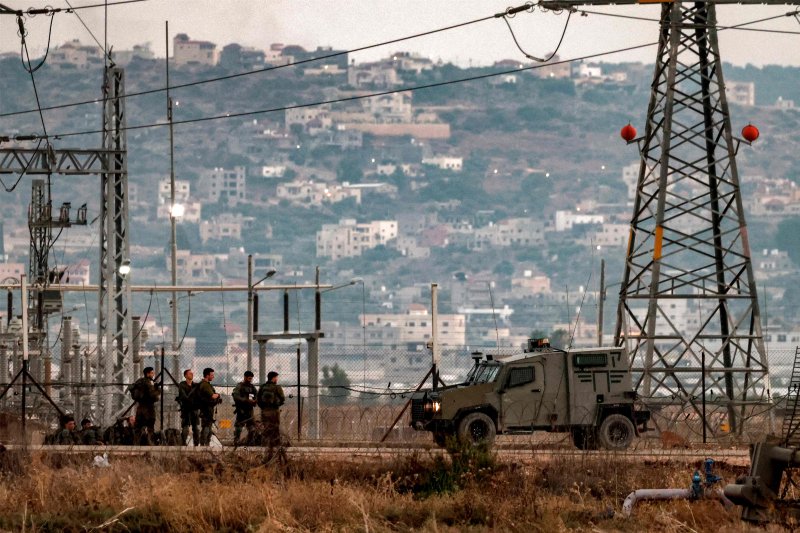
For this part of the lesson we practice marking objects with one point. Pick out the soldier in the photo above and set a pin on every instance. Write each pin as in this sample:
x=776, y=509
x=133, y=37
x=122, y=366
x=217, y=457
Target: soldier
x=67, y=435
x=207, y=400
x=270, y=399
x=190, y=415
x=244, y=399
x=89, y=433
x=145, y=393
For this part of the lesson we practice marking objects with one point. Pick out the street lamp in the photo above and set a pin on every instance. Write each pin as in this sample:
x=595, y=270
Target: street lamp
x=125, y=268
x=347, y=284
x=177, y=211
x=250, y=304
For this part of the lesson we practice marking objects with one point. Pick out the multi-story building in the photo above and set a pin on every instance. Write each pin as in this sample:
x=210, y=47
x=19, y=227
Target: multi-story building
x=376, y=75
x=73, y=55
x=141, y=52
x=238, y=58
x=772, y=263
x=445, y=162
x=316, y=193
x=350, y=239
x=182, y=191
x=195, y=267
x=530, y=284
x=564, y=220
x=225, y=226
x=741, y=92
x=187, y=52
x=236, y=264
x=511, y=232
x=227, y=185
x=414, y=326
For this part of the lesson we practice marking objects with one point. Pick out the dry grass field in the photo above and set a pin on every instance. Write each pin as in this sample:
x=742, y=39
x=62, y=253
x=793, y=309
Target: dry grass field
x=472, y=491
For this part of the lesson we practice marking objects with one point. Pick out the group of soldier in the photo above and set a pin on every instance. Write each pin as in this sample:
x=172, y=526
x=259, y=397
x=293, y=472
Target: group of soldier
x=197, y=402
x=69, y=434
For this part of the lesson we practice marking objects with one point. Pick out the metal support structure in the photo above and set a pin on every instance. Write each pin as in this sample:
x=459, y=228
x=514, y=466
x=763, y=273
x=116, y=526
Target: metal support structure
x=312, y=340
x=113, y=320
x=688, y=254
x=250, y=293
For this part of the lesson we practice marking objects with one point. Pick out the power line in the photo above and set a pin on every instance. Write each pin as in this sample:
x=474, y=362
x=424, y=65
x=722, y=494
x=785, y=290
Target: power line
x=33, y=11
x=262, y=70
x=739, y=27
x=87, y=29
x=361, y=49
x=369, y=95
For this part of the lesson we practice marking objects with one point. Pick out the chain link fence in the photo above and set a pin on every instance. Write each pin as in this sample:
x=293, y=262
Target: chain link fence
x=362, y=391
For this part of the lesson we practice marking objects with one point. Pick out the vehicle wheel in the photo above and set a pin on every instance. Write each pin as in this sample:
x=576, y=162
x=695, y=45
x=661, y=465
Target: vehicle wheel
x=584, y=438
x=477, y=428
x=616, y=432
x=440, y=438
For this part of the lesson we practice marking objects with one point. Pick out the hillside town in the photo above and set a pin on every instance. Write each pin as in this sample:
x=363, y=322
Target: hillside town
x=513, y=233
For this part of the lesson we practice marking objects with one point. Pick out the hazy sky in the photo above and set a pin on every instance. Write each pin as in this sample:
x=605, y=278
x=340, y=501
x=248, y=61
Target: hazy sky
x=349, y=24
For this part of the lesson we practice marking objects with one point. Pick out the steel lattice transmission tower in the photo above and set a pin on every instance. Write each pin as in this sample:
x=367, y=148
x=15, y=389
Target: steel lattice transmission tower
x=688, y=298
x=114, y=295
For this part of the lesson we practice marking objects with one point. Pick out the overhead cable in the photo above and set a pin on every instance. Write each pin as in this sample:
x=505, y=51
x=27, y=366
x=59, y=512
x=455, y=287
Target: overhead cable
x=532, y=57
x=365, y=96
x=261, y=70
x=33, y=11
x=508, y=12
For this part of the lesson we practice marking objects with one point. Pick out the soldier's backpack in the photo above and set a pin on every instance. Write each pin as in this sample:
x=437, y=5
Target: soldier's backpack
x=266, y=397
x=137, y=391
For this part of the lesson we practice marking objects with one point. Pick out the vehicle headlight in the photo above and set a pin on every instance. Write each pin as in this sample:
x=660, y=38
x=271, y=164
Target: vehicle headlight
x=432, y=406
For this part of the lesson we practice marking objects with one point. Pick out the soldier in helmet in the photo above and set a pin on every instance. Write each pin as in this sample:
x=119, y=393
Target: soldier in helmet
x=244, y=400
x=270, y=399
x=207, y=400
x=145, y=393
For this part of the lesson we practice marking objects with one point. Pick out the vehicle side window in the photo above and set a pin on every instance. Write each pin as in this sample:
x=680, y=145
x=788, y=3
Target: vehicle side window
x=520, y=376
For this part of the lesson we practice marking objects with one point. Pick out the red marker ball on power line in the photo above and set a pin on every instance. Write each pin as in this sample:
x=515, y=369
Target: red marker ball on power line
x=750, y=133
x=628, y=133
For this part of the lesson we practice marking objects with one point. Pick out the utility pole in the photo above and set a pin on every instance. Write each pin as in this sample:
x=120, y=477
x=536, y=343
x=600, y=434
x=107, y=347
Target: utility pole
x=172, y=221
x=601, y=302
x=250, y=314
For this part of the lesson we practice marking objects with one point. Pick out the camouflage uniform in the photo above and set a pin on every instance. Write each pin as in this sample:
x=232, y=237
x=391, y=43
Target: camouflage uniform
x=90, y=436
x=65, y=437
x=190, y=415
x=146, y=410
x=244, y=397
x=206, y=404
x=270, y=399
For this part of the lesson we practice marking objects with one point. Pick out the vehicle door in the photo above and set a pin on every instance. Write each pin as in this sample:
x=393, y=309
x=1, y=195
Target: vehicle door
x=521, y=394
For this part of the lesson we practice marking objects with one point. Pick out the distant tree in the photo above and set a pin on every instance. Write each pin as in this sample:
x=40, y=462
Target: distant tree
x=788, y=237
x=559, y=338
x=504, y=268
x=337, y=383
x=349, y=169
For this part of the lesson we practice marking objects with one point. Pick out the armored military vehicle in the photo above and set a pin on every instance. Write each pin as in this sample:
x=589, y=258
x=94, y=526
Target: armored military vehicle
x=586, y=392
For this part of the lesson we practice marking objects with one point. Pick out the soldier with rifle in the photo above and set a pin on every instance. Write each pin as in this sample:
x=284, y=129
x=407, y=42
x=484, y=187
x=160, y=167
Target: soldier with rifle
x=207, y=400
x=270, y=399
x=145, y=394
x=190, y=414
x=244, y=401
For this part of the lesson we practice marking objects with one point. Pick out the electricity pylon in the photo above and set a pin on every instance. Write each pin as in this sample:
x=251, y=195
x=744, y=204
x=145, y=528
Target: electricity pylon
x=688, y=307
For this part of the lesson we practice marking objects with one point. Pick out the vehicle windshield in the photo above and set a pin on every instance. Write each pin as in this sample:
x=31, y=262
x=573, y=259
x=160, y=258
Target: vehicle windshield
x=483, y=373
